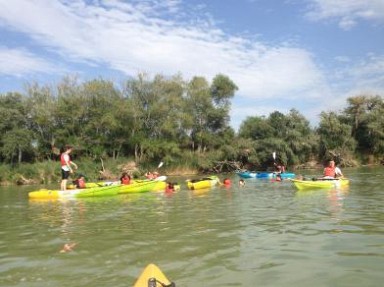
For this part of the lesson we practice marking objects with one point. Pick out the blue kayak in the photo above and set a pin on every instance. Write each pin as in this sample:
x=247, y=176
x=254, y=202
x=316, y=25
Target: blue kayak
x=256, y=174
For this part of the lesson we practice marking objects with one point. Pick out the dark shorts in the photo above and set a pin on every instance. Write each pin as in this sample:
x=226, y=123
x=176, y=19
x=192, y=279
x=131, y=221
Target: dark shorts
x=64, y=174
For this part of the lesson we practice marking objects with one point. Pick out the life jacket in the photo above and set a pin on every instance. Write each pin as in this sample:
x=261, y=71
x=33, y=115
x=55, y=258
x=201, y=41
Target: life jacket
x=169, y=188
x=80, y=183
x=329, y=171
x=227, y=181
x=62, y=160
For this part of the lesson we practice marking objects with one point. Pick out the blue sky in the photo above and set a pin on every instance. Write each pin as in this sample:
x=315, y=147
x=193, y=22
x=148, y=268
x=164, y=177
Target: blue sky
x=310, y=55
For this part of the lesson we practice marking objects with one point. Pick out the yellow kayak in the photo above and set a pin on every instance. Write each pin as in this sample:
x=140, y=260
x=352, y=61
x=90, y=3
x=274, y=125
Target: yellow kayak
x=203, y=183
x=74, y=193
x=320, y=183
x=153, y=277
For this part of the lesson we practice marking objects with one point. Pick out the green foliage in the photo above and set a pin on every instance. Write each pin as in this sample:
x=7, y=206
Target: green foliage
x=335, y=137
x=290, y=136
x=184, y=123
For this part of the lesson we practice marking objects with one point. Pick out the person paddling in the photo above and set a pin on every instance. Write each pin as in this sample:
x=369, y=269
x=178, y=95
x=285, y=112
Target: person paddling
x=332, y=171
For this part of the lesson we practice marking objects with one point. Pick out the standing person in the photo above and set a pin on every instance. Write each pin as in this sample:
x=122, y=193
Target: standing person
x=332, y=171
x=66, y=168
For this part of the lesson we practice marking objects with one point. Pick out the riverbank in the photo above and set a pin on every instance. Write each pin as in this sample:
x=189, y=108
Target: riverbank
x=49, y=172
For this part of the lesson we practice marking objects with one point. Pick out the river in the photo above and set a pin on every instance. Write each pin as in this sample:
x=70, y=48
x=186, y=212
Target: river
x=264, y=234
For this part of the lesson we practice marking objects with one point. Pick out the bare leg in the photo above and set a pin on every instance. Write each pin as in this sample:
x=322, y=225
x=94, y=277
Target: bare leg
x=63, y=185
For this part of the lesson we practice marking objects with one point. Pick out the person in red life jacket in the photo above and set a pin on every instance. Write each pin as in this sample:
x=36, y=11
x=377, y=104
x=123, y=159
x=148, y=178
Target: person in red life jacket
x=66, y=168
x=80, y=182
x=149, y=175
x=125, y=178
x=227, y=182
x=332, y=171
x=277, y=178
x=170, y=187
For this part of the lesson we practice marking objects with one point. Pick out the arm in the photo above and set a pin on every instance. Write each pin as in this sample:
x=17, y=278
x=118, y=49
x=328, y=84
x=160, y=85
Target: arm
x=338, y=172
x=68, y=162
x=74, y=165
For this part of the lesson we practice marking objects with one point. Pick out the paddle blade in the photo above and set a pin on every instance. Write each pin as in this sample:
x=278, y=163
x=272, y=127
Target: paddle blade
x=160, y=164
x=274, y=155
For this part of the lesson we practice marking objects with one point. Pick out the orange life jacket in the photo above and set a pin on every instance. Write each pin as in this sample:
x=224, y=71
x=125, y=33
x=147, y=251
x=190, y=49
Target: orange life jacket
x=125, y=180
x=329, y=171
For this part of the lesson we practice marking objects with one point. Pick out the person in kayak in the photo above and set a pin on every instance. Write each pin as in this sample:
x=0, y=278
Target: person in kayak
x=332, y=171
x=277, y=178
x=125, y=178
x=280, y=168
x=80, y=181
x=66, y=168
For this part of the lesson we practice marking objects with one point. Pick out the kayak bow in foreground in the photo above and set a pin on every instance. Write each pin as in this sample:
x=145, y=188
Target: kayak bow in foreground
x=153, y=277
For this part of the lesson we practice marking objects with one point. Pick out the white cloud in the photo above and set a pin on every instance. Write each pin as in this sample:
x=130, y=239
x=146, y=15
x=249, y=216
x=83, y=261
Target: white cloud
x=18, y=62
x=347, y=12
x=129, y=38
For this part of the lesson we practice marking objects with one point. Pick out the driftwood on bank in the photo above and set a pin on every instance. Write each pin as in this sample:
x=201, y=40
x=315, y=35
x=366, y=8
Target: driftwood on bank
x=226, y=166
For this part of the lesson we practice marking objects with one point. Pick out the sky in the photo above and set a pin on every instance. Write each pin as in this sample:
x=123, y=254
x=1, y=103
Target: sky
x=308, y=55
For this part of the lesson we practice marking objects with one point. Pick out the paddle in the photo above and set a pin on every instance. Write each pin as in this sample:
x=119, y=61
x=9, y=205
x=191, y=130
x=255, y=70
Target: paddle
x=160, y=165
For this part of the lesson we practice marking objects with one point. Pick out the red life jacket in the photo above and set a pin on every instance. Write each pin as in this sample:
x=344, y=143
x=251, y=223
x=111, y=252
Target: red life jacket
x=80, y=183
x=227, y=181
x=125, y=180
x=329, y=171
x=62, y=160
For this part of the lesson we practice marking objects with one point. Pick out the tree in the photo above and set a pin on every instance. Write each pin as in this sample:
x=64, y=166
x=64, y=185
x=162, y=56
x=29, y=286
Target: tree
x=365, y=114
x=41, y=113
x=335, y=138
x=16, y=137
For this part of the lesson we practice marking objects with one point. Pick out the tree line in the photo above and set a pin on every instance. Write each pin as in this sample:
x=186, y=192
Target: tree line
x=183, y=123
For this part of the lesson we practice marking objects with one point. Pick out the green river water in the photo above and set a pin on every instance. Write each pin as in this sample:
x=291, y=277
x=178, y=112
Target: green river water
x=264, y=234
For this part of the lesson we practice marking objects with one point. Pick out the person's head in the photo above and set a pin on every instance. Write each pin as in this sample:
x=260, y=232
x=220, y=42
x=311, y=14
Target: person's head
x=68, y=148
x=331, y=163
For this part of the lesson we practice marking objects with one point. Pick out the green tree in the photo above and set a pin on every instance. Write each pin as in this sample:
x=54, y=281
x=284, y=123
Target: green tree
x=16, y=138
x=335, y=138
x=365, y=114
x=42, y=112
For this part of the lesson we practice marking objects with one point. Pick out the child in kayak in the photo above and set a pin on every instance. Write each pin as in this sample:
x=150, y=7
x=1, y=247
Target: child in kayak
x=125, y=178
x=80, y=181
x=332, y=171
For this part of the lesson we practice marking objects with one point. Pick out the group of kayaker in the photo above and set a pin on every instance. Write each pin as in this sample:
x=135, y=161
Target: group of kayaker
x=331, y=171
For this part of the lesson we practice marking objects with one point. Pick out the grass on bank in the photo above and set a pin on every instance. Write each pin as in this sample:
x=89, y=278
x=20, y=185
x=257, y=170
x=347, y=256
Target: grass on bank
x=50, y=171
